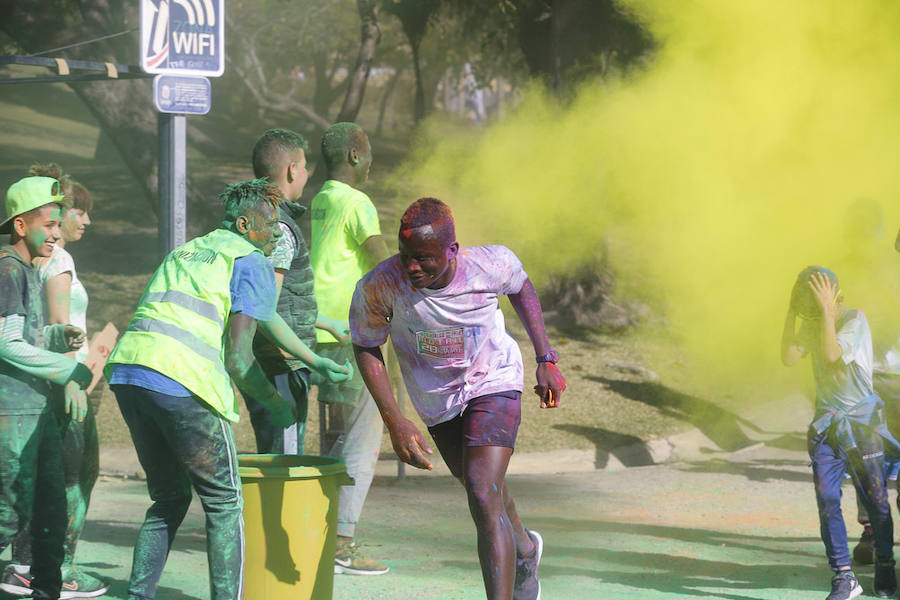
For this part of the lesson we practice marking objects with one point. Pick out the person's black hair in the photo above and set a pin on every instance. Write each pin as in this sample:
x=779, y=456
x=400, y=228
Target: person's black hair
x=274, y=150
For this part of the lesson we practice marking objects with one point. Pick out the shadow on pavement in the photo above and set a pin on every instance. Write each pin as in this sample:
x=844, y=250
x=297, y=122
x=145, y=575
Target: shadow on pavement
x=123, y=533
x=753, y=470
x=119, y=589
x=629, y=449
x=686, y=574
x=718, y=424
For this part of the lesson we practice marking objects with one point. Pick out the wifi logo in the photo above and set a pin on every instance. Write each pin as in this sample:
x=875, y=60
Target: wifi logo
x=182, y=36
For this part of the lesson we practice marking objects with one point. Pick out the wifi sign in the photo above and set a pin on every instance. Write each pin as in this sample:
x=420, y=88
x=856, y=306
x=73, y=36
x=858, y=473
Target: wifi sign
x=184, y=37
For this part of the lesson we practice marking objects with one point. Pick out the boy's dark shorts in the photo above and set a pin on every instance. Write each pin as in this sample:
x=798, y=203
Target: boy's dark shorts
x=491, y=420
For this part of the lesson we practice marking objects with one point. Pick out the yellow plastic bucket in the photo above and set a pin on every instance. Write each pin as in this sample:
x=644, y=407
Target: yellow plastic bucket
x=290, y=520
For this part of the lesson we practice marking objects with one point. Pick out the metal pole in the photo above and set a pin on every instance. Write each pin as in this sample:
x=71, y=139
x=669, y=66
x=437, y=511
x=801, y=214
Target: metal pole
x=172, y=182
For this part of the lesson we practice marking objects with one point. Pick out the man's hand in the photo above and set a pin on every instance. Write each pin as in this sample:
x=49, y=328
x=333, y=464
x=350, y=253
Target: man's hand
x=74, y=337
x=551, y=384
x=76, y=402
x=282, y=411
x=340, y=330
x=409, y=444
x=331, y=371
x=824, y=292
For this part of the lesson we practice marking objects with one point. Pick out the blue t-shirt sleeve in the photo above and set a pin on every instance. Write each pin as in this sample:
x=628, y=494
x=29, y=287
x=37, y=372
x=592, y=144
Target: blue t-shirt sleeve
x=253, y=290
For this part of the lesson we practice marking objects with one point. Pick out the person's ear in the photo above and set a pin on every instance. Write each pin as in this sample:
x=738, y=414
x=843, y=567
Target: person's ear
x=353, y=156
x=242, y=224
x=291, y=171
x=452, y=250
x=19, y=225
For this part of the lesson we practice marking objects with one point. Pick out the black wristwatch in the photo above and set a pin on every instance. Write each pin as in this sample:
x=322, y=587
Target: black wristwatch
x=550, y=357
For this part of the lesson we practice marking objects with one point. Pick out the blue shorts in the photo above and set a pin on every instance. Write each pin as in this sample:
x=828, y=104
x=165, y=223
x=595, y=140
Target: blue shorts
x=486, y=421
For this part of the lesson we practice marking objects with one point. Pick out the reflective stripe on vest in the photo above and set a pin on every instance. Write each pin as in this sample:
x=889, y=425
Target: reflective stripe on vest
x=185, y=337
x=201, y=307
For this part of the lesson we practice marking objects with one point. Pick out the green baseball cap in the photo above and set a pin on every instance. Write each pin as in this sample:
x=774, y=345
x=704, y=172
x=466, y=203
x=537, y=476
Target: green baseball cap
x=27, y=194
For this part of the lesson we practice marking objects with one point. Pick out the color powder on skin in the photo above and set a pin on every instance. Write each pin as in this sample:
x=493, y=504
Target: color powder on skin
x=735, y=157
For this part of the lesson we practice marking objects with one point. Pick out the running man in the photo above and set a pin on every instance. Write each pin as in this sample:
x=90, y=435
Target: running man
x=439, y=305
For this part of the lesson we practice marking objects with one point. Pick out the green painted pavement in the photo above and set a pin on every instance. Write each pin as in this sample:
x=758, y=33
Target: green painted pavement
x=739, y=526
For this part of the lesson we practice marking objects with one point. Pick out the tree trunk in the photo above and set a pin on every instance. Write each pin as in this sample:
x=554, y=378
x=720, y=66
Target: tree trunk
x=370, y=36
x=388, y=92
x=419, y=105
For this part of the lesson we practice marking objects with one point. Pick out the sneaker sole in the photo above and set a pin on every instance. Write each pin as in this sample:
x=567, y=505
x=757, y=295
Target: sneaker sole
x=15, y=590
x=348, y=571
x=66, y=595
x=539, y=546
x=856, y=592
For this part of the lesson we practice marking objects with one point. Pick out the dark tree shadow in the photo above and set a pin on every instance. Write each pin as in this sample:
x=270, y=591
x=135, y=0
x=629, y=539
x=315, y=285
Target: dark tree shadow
x=754, y=470
x=718, y=424
x=628, y=449
x=684, y=575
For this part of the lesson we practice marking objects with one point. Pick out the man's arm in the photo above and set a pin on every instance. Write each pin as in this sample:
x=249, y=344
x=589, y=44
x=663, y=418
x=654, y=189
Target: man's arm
x=280, y=334
x=337, y=328
x=551, y=382
x=246, y=372
x=375, y=250
x=57, y=368
x=408, y=442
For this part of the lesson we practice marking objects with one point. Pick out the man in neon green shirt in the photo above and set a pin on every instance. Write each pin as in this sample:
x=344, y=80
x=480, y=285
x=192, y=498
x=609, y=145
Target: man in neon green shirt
x=345, y=244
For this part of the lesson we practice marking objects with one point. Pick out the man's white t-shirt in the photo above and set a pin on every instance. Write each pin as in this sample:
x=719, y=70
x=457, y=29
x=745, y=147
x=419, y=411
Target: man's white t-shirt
x=451, y=343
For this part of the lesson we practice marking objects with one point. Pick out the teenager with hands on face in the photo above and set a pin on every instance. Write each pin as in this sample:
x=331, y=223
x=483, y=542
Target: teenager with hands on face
x=438, y=303
x=848, y=432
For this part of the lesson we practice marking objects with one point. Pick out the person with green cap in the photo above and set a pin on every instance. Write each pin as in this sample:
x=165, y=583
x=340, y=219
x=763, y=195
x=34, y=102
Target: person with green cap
x=172, y=372
x=31, y=359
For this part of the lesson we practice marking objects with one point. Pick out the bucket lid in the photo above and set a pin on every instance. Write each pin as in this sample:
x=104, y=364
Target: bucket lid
x=288, y=466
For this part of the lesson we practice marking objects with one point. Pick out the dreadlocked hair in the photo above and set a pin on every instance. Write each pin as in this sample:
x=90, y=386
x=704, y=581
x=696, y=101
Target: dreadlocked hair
x=246, y=196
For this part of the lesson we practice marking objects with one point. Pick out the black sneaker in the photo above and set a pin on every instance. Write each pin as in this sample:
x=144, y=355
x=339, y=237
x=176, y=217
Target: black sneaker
x=527, y=586
x=15, y=583
x=864, y=551
x=844, y=586
x=885, y=579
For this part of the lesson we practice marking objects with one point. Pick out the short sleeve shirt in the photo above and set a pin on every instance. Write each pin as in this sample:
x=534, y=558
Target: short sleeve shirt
x=451, y=343
x=850, y=381
x=342, y=218
x=60, y=262
x=285, y=248
x=20, y=294
x=252, y=293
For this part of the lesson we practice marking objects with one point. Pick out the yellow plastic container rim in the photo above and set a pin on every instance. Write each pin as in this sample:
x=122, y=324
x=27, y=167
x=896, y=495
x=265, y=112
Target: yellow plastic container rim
x=288, y=466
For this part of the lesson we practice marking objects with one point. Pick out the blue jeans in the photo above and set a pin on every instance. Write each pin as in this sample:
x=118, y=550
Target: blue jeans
x=270, y=438
x=181, y=442
x=865, y=463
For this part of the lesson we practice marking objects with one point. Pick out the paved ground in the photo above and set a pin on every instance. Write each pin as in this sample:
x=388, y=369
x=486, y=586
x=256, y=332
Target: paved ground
x=739, y=525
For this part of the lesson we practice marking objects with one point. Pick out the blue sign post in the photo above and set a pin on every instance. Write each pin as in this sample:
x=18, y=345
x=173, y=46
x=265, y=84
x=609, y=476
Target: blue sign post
x=183, y=41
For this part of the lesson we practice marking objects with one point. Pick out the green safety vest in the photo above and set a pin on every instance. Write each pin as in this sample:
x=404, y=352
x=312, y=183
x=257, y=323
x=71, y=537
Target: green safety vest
x=180, y=320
